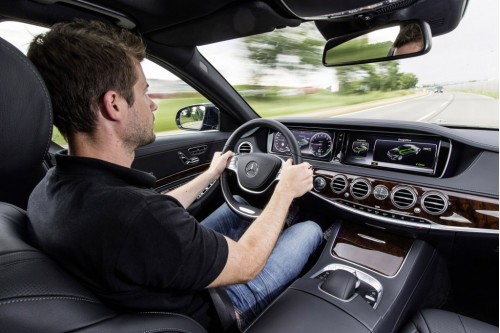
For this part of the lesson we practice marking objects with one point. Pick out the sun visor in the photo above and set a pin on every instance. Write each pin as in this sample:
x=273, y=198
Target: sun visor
x=232, y=22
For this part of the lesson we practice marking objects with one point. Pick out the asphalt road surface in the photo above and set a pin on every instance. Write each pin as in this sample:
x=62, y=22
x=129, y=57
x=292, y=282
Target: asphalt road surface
x=448, y=108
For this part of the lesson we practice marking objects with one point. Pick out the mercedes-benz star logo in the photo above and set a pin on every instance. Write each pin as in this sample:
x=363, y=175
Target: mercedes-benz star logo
x=251, y=169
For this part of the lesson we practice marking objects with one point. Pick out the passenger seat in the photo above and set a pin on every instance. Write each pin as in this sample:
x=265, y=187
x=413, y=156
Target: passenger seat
x=440, y=321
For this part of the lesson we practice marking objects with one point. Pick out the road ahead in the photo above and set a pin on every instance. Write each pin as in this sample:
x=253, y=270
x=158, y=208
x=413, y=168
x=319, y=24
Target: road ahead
x=444, y=108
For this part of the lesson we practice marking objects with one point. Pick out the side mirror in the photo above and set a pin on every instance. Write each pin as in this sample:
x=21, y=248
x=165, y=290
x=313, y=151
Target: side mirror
x=396, y=41
x=200, y=117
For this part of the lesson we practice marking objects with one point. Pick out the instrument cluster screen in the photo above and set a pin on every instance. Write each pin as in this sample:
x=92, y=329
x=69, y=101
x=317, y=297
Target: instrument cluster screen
x=417, y=154
x=312, y=144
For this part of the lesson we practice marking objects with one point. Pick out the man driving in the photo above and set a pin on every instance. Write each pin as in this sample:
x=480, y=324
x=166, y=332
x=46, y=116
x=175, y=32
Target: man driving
x=101, y=220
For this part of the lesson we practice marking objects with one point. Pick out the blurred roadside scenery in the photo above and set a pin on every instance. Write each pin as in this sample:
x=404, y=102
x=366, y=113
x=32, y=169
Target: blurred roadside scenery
x=281, y=74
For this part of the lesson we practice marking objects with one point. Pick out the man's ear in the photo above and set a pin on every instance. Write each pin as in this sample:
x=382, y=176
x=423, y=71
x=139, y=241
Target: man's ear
x=112, y=105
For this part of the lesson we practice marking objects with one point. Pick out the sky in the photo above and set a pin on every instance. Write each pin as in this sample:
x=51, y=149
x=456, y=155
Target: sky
x=470, y=52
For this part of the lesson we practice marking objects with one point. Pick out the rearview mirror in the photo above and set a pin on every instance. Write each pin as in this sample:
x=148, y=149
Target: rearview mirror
x=198, y=117
x=397, y=41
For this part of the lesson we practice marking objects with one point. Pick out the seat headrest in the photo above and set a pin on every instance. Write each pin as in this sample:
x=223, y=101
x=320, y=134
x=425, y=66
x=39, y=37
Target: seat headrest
x=25, y=113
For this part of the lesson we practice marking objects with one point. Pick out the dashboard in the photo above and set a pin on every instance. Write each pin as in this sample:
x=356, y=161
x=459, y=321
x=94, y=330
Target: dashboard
x=399, y=151
x=418, y=176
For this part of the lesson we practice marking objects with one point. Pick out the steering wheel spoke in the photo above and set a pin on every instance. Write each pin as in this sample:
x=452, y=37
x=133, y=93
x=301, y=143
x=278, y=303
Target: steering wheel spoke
x=233, y=163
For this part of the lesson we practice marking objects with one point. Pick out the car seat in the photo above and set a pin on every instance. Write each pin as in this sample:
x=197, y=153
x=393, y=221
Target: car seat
x=435, y=320
x=37, y=295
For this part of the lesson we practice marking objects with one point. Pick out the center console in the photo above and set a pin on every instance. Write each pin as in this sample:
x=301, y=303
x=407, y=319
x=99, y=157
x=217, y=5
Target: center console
x=392, y=274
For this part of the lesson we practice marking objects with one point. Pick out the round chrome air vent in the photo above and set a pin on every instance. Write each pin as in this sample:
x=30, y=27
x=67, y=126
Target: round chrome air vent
x=339, y=184
x=403, y=197
x=360, y=188
x=434, y=202
x=245, y=147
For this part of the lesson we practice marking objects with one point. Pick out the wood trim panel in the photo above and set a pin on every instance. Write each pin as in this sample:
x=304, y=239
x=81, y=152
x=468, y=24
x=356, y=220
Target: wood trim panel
x=188, y=174
x=464, y=210
x=380, y=251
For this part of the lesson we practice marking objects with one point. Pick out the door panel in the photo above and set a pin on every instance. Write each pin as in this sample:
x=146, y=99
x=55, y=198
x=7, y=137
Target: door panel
x=176, y=159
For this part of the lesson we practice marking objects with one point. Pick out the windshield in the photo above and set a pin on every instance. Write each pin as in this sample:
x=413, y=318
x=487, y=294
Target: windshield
x=456, y=84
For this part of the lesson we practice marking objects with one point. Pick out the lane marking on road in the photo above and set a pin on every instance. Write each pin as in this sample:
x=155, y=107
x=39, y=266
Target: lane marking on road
x=441, y=108
x=427, y=115
x=411, y=97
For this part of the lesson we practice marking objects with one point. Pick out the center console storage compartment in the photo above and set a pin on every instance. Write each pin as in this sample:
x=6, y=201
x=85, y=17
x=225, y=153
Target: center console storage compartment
x=297, y=311
x=394, y=274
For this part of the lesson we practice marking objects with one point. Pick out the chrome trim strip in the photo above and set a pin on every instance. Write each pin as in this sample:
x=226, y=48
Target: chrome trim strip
x=249, y=211
x=447, y=160
x=494, y=213
x=376, y=240
x=464, y=229
x=432, y=226
x=455, y=218
x=237, y=208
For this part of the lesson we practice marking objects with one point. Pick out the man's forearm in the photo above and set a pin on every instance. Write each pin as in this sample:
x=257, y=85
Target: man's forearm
x=248, y=256
x=261, y=236
x=188, y=192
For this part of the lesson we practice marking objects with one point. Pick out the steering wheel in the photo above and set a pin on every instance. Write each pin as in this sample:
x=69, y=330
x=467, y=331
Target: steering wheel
x=255, y=172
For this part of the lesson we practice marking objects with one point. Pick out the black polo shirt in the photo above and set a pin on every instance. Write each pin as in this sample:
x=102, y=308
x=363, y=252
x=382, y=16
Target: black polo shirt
x=136, y=249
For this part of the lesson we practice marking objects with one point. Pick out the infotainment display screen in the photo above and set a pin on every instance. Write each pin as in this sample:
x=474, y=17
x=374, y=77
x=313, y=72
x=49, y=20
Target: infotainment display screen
x=417, y=154
x=312, y=143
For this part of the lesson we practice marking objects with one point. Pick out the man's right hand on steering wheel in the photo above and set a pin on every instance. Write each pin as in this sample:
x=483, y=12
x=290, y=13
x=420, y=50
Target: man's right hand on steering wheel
x=295, y=180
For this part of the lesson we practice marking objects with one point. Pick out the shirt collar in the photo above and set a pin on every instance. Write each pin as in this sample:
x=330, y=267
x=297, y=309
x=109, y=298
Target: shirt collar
x=96, y=167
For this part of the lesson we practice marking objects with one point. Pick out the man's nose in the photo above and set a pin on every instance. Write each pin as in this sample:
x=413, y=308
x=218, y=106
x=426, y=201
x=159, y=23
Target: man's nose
x=153, y=106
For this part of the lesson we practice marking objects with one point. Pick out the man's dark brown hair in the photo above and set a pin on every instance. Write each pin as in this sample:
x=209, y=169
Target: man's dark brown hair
x=80, y=61
x=409, y=33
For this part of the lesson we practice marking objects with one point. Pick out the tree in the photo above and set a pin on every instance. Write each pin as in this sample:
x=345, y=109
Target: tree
x=298, y=49
x=384, y=76
x=352, y=79
x=389, y=75
x=408, y=81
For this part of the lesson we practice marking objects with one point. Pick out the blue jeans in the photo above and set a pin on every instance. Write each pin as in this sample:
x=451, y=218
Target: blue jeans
x=285, y=263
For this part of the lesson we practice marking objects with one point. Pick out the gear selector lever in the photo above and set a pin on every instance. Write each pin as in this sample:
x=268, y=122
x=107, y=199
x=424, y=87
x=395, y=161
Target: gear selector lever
x=341, y=284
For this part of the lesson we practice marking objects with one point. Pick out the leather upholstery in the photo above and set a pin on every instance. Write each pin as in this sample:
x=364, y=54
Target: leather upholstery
x=25, y=125
x=36, y=295
x=440, y=321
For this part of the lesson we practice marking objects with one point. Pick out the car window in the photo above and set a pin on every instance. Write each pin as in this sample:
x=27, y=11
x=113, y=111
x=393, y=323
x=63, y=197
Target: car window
x=456, y=84
x=171, y=94
x=168, y=91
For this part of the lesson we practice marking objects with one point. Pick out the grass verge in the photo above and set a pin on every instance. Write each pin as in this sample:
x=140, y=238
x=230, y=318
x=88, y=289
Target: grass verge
x=268, y=106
